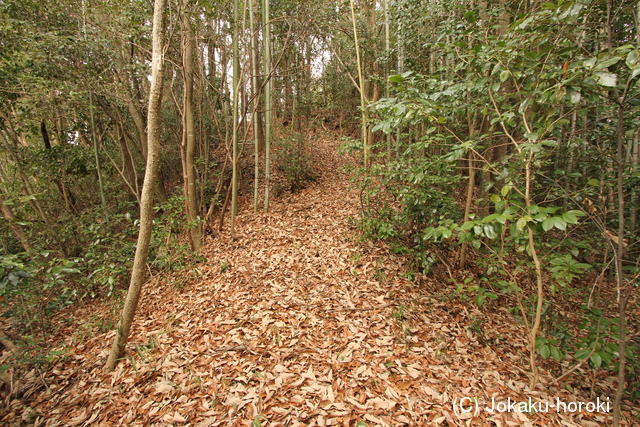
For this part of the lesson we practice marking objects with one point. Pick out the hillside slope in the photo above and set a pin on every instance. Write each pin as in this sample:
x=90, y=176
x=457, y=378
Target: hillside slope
x=297, y=322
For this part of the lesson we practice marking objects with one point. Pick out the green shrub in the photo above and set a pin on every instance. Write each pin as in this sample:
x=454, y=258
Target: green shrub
x=293, y=160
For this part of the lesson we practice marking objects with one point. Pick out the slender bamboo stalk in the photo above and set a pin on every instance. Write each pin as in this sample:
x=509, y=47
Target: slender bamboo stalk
x=236, y=89
x=387, y=48
x=93, y=125
x=266, y=39
x=365, y=143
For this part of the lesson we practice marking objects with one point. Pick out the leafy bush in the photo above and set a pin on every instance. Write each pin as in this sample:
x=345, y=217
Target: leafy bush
x=293, y=160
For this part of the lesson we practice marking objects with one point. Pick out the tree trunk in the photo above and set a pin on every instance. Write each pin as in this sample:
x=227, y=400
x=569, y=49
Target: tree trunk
x=236, y=107
x=470, y=189
x=365, y=144
x=132, y=99
x=267, y=101
x=188, y=147
x=255, y=106
x=148, y=189
x=127, y=160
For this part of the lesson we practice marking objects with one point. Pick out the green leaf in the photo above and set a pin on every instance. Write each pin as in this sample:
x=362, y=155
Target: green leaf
x=570, y=218
x=606, y=64
x=545, y=352
x=504, y=75
x=556, y=353
x=632, y=59
x=470, y=16
x=533, y=209
x=502, y=219
x=559, y=223
x=612, y=348
x=467, y=225
x=522, y=222
x=479, y=299
x=582, y=354
x=505, y=190
x=490, y=232
x=490, y=218
x=593, y=182
x=577, y=212
x=397, y=78
x=596, y=360
x=589, y=63
x=548, y=224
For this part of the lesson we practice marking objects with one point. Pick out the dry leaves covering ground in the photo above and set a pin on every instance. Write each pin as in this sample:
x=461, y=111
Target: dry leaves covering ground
x=297, y=323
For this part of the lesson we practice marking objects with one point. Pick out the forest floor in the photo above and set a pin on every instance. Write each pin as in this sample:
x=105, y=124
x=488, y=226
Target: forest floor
x=298, y=322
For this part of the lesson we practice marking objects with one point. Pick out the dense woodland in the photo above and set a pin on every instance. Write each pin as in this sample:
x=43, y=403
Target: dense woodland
x=448, y=191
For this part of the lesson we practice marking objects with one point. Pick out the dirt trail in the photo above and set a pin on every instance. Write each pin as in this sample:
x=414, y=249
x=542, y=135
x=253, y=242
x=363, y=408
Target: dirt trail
x=295, y=323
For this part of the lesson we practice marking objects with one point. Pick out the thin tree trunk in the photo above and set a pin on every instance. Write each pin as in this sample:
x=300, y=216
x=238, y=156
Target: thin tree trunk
x=256, y=103
x=387, y=49
x=467, y=208
x=148, y=189
x=131, y=99
x=399, y=70
x=188, y=131
x=236, y=106
x=267, y=101
x=622, y=292
x=127, y=161
x=365, y=143
x=94, y=137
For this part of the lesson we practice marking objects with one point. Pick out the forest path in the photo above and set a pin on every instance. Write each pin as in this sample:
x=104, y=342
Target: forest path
x=297, y=322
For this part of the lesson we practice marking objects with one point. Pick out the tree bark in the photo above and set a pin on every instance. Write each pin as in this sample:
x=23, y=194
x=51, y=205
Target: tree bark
x=365, y=144
x=255, y=106
x=148, y=188
x=267, y=101
x=188, y=131
x=132, y=98
x=236, y=107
